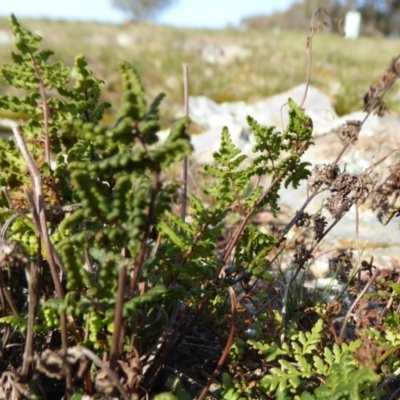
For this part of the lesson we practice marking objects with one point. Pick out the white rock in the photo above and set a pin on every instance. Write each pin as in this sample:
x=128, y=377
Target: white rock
x=317, y=105
x=267, y=112
x=202, y=108
x=126, y=40
x=6, y=38
x=320, y=268
x=224, y=55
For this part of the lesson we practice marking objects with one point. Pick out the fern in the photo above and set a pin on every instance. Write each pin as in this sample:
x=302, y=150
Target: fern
x=301, y=367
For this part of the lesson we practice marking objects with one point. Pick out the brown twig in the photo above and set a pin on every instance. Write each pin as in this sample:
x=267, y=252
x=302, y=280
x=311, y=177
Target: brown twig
x=77, y=352
x=225, y=353
x=31, y=277
x=320, y=26
x=6, y=297
x=143, y=247
x=240, y=228
x=118, y=320
x=349, y=312
x=185, y=159
x=165, y=346
x=389, y=379
x=39, y=208
x=358, y=242
x=42, y=225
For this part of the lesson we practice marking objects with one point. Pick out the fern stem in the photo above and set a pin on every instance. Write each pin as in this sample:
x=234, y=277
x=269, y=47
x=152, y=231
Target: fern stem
x=143, y=246
x=46, y=111
x=114, y=351
x=348, y=314
x=185, y=159
x=42, y=225
x=225, y=353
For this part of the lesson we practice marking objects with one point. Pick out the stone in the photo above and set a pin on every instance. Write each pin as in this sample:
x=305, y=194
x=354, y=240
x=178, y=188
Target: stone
x=224, y=55
x=6, y=38
x=127, y=40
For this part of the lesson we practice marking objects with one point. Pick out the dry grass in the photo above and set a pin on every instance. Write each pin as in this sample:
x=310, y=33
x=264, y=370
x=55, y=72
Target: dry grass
x=341, y=68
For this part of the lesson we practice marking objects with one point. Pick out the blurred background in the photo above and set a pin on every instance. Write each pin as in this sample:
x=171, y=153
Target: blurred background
x=235, y=50
x=378, y=16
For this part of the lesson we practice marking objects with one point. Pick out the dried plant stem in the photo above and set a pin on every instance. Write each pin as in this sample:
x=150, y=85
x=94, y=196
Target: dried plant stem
x=349, y=312
x=164, y=347
x=42, y=226
x=6, y=297
x=39, y=208
x=185, y=159
x=31, y=277
x=310, y=37
x=79, y=351
x=358, y=242
x=389, y=379
x=225, y=353
x=395, y=394
x=118, y=320
x=309, y=64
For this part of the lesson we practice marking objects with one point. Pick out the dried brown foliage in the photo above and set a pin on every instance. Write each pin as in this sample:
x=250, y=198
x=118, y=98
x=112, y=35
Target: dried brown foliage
x=373, y=99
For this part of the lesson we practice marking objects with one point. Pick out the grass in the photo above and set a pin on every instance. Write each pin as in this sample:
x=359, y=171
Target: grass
x=342, y=68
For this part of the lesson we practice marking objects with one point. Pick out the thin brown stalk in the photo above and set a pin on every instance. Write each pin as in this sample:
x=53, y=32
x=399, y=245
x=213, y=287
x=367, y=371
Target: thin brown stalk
x=185, y=68
x=389, y=379
x=6, y=297
x=318, y=10
x=31, y=277
x=174, y=339
x=42, y=225
x=240, y=228
x=79, y=351
x=309, y=55
x=238, y=231
x=185, y=159
x=349, y=312
x=394, y=395
x=225, y=353
x=358, y=242
x=39, y=208
x=118, y=320
x=142, y=251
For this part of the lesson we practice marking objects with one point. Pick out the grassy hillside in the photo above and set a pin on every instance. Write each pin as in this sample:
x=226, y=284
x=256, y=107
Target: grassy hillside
x=275, y=61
